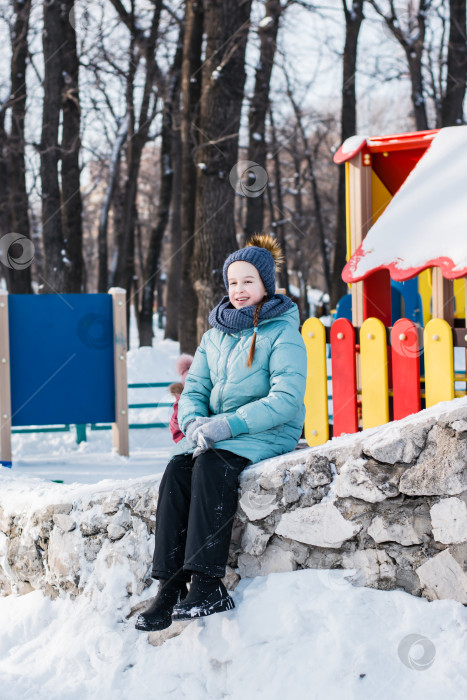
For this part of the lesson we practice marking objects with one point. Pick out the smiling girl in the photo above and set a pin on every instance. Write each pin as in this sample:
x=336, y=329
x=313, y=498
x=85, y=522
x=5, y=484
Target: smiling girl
x=242, y=403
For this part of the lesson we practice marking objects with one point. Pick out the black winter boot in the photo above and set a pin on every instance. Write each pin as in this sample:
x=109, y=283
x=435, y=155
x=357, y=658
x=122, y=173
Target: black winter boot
x=207, y=595
x=159, y=615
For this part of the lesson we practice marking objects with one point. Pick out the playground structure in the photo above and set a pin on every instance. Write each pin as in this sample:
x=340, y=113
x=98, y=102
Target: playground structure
x=391, y=345
x=63, y=361
x=392, y=353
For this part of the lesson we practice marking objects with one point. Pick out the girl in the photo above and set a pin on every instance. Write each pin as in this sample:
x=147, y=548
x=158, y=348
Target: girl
x=242, y=403
x=182, y=366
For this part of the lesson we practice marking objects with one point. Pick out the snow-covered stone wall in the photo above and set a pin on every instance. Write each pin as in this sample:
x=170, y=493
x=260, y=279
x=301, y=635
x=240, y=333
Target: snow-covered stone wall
x=389, y=503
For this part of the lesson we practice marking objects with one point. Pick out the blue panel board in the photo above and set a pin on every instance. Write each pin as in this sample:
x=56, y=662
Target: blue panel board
x=396, y=305
x=62, y=363
x=344, y=307
x=412, y=299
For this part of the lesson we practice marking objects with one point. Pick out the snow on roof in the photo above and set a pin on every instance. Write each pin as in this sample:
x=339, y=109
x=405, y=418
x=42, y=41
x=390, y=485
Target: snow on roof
x=425, y=224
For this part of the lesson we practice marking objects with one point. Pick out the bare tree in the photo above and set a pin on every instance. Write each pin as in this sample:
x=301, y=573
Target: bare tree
x=223, y=78
x=277, y=224
x=173, y=303
x=157, y=231
x=313, y=183
x=409, y=28
x=113, y=174
x=52, y=230
x=122, y=269
x=191, y=94
x=5, y=220
x=453, y=98
x=267, y=29
x=353, y=14
x=70, y=155
x=19, y=281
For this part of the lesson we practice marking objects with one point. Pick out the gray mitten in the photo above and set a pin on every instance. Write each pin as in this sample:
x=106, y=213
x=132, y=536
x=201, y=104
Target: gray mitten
x=191, y=427
x=216, y=430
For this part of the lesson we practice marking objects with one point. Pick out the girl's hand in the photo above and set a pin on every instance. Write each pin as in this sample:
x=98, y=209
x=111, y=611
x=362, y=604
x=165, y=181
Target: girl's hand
x=215, y=430
x=191, y=427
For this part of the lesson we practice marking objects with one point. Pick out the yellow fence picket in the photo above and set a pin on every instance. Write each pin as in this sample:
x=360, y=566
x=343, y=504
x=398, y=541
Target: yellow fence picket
x=316, y=394
x=439, y=362
x=374, y=368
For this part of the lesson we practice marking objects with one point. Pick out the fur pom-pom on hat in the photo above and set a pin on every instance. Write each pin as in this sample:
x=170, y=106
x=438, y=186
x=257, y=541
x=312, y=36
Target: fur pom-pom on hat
x=264, y=240
x=183, y=364
x=265, y=253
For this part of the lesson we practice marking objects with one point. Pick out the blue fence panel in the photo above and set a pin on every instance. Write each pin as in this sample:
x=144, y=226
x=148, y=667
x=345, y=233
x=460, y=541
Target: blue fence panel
x=62, y=362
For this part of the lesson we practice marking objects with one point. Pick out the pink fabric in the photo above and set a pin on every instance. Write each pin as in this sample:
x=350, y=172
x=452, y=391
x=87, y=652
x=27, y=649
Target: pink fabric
x=182, y=366
x=177, y=434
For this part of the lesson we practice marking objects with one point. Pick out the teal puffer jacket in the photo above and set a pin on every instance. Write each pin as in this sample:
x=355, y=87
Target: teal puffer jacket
x=263, y=404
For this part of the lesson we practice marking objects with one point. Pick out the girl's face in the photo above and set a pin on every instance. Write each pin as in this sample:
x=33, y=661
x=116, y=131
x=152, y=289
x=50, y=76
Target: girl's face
x=246, y=287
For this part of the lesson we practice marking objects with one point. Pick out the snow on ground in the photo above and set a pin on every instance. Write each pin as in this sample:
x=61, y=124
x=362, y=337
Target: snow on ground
x=302, y=634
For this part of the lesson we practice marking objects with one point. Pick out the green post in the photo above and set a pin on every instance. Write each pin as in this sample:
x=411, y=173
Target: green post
x=80, y=433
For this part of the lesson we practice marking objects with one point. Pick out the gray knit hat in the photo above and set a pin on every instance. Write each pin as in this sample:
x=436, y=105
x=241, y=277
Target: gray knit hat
x=264, y=253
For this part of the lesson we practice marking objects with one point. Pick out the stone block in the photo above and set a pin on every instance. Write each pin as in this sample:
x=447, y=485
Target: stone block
x=449, y=521
x=441, y=468
x=273, y=560
x=257, y=506
x=442, y=578
x=65, y=522
x=321, y=525
x=400, y=530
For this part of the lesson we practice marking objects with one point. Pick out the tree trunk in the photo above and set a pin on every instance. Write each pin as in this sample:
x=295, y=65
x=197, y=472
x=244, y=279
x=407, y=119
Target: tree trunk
x=453, y=99
x=412, y=41
x=315, y=195
x=223, y=81
x=52, y=39
x=5, y=221
x=414, y=60
x=353, y=21
x=114, y=170
x=191, y=91
x=71, y=145
x=175, y=262
x=157, y=231
x=259, y=105
x=137, y=138
x=278, y=225
x=19, y=280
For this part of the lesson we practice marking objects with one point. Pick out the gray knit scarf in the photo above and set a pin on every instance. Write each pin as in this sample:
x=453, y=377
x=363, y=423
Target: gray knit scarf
x=226, y=318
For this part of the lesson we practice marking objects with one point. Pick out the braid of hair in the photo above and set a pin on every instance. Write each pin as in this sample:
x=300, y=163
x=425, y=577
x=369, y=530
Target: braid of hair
x=251, y=354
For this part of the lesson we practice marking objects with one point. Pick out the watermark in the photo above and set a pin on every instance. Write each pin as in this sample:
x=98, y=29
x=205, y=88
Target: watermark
x=248, y=178
x=407, y=341
x=416, y=652
x=335, y=579
x=261, y=503
x=16, y=251
x=95, y=331
x=103, y=646
x=404, y=22
x=80, y=21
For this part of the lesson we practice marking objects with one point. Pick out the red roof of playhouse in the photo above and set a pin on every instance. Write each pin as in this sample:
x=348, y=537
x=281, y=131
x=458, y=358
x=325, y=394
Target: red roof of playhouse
x=425, y=223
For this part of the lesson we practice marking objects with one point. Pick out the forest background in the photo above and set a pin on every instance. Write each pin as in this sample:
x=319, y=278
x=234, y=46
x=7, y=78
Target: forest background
x=141, y=141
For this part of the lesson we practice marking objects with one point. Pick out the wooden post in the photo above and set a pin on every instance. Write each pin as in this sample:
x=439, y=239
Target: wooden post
x=361, y=220
x=5, y=388
x=120, y=432
x=465, y=323
x=442, y=297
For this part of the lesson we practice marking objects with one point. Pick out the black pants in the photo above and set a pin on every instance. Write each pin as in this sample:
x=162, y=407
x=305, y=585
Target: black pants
x=195, y=512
